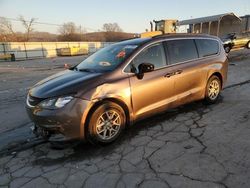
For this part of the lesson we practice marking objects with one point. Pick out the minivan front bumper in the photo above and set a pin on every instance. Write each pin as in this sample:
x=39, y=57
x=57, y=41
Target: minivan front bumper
x=66, y=122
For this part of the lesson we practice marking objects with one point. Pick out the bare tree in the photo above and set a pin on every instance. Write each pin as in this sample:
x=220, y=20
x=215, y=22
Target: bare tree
x=6, y=26
x=70, y=32
x=28, y=25
x=68, y=28
x=111, y=27
x=7, y=32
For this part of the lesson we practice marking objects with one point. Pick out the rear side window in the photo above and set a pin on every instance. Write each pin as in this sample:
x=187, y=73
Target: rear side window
x=207, y=47
x=181, y=50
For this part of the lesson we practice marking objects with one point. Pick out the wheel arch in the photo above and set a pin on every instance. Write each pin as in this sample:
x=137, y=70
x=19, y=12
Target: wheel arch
x=219, y=75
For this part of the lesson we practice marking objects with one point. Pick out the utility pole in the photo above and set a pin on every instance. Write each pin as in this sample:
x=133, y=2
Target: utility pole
x=81, y=32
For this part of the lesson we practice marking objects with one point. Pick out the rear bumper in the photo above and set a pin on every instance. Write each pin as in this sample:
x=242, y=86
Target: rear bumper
x=67, y=122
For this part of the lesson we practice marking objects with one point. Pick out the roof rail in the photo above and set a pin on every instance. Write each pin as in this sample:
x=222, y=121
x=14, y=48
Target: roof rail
x=181, y=34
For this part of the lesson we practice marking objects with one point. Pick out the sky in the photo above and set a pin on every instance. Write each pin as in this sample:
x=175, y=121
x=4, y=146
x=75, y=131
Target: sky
x=131, y=15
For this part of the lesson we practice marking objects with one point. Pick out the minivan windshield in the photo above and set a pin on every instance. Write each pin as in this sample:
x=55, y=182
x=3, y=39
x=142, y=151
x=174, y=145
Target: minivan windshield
x=106, y=59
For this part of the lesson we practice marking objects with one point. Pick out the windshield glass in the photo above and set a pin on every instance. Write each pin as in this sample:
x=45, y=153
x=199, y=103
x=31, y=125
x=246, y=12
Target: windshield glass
x=228, y=36
x=106, y=59
x=159, y=26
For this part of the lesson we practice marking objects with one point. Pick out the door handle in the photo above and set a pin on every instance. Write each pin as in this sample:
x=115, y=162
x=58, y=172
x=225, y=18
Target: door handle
x=168, y=74
x=178, y=71
x=173, y=73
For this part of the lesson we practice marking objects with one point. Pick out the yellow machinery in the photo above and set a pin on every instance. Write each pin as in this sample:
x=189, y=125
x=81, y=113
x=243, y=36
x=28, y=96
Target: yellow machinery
x=6, y=57
x=71, y=51
x=161, y=27
x=150, y=34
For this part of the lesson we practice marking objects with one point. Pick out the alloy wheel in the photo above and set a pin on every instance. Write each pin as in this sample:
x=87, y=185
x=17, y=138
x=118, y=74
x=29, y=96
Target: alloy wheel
x=214, y=89
x=227, y=49
x=108, y=124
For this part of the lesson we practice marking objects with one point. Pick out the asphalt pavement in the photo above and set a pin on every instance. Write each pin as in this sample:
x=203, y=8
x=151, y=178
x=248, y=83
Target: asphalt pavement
x=194, y=145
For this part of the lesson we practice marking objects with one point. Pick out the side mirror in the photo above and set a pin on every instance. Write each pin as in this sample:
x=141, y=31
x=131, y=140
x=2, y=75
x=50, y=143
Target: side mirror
x=143, y=68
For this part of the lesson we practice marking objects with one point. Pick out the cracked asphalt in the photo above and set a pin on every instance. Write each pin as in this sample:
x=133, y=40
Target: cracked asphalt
x=194, y=145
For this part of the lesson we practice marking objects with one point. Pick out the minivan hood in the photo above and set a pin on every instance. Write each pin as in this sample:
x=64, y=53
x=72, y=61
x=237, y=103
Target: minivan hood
x=63, y=83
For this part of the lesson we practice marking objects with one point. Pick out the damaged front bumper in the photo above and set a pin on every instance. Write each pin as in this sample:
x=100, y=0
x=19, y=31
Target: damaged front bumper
x=66, y=123
x=47, y=135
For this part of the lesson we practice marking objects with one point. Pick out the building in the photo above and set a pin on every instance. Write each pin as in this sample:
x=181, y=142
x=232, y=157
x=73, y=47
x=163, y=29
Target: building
x=245, y=23
x=218, y=25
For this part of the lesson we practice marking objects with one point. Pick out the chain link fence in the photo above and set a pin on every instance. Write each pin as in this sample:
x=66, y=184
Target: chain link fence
x=32, y=50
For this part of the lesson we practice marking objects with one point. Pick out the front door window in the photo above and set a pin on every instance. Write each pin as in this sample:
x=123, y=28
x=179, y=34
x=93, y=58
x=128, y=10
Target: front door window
x=153, y=54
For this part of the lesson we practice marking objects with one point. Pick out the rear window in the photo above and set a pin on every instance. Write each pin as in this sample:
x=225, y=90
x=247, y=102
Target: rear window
x=207, y=47
x=181, y=50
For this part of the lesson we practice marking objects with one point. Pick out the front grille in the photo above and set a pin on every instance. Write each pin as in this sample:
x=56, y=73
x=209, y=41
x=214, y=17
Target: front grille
x=33, y=101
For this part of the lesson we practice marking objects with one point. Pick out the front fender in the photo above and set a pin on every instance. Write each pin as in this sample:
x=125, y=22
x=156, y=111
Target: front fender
x=119, y=91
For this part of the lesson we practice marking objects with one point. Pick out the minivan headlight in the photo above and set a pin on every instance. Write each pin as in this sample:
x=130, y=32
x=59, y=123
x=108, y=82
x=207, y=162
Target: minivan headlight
x=54, y=103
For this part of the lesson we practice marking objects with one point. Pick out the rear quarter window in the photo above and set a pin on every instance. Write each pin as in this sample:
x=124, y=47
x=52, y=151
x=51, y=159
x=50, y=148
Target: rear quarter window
x=207, y=47
x=181, y=50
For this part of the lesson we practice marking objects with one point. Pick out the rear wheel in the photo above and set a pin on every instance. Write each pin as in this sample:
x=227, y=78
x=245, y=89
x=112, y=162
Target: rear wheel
x=106, y=123
x=248, y=45
x=227, y=48
x=213, y=90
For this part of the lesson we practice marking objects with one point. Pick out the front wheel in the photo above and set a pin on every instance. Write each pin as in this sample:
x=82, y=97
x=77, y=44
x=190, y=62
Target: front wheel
x=248, y=45
x=213, y=90
x=106, y=123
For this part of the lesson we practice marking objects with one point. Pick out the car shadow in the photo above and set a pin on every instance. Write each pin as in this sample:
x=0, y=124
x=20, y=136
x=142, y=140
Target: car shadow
x=83, y=150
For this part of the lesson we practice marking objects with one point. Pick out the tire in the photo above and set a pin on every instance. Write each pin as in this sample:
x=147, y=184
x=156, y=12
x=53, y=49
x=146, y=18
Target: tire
x=227, y=48
x=213, y=90
x=248, y=45
x=106, y=123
